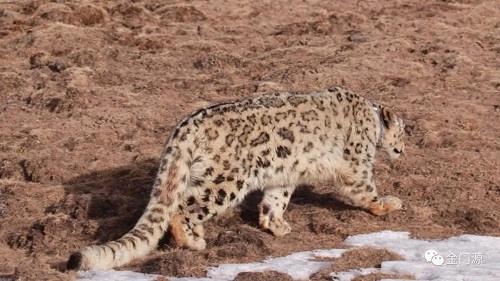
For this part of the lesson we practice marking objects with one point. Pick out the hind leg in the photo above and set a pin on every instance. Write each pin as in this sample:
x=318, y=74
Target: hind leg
x=187, y=234
x=272, y=208
x=187, y=226
x=199, y=204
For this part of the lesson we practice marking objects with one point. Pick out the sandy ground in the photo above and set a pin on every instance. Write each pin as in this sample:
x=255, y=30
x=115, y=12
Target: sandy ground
x=89, y=91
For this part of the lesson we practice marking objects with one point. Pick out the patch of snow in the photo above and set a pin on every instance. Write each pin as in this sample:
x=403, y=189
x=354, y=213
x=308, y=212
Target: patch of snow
x=350, y=274
x=466, y=257
x=112, y=275
x=297, y=265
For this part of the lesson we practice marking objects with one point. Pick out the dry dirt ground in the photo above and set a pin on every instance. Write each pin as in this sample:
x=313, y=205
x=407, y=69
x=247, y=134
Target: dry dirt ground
x=90, y=90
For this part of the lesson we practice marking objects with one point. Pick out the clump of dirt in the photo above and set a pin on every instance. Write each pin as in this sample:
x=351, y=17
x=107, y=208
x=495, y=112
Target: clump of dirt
x=364, y=257
x=237, y=245
x=180, y=13
x=473, y=219
x=379, y=276
x=177, y=263
x=88, y=15
x=266, y=275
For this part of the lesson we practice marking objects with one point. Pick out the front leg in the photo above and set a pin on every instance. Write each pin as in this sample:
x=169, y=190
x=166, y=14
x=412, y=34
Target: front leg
x=362, y=191
x=272, y=208
x=384, y=205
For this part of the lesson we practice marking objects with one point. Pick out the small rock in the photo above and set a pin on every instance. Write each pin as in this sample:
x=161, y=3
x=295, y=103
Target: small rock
x=357, y=37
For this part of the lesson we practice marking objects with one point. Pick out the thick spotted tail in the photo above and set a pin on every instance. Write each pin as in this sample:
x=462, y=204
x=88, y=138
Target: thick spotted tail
x=170, y=183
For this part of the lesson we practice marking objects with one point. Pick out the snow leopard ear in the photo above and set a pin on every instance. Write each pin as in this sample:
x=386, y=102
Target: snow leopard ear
x=389, y=117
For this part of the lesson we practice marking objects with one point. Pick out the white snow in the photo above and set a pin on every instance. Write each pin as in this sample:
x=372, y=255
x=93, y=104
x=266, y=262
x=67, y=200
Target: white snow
x=466, y=257
x=297, y=265
x=349, y=275
x=115, y=275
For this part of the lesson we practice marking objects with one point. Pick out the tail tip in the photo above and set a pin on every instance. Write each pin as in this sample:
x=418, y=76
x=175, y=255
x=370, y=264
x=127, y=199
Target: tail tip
x=74, y=261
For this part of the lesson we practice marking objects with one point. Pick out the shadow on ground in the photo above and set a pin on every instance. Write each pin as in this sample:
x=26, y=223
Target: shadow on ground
x=115, y=198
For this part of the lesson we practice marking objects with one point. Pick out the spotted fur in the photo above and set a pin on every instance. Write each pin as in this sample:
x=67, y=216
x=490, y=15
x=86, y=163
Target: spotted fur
x=274, y=142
